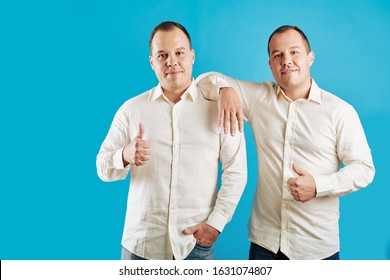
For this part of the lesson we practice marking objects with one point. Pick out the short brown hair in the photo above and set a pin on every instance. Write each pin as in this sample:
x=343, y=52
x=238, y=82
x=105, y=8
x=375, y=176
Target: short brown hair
x=167, y=26
x=284, y=28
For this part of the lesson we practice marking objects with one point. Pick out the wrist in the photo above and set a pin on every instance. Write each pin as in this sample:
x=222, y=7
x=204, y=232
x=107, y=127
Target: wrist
x=125, y=157
x=224, y=89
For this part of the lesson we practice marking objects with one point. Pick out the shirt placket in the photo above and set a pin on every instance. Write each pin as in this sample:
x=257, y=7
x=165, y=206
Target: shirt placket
x=287, y=174
x=174, y=187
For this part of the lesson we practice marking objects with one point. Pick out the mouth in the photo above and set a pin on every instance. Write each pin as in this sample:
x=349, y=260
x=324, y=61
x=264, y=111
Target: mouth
x=288, y=71
x=173, y=73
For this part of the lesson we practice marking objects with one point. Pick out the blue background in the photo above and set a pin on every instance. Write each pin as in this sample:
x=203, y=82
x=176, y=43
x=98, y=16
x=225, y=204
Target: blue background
x=66, y=67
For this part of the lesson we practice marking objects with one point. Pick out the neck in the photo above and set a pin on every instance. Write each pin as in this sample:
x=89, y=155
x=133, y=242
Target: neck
x=296, y=95
x=173, y=96
x=299, y=92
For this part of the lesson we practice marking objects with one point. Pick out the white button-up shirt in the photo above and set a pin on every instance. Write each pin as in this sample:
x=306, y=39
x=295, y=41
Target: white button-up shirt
x=178, y=186
x=318, y=134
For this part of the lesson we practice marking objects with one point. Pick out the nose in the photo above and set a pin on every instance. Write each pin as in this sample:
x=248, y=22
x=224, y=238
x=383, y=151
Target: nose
x=172, y=61
x=286, y=61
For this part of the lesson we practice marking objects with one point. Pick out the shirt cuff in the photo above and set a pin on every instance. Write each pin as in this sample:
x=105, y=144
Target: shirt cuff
x=323, y=185
x=210, y=84
x=219, y=82
x=118, y=161
x=217, y=221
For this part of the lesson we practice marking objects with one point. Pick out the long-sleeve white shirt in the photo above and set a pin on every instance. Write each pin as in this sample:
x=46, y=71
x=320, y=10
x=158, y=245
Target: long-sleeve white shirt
x=178, y=186
x=318, y=134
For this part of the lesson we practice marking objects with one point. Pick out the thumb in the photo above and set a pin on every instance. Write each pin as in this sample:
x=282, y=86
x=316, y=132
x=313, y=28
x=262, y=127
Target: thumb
x=299, y=170
x=190, y=230
x=141, y=130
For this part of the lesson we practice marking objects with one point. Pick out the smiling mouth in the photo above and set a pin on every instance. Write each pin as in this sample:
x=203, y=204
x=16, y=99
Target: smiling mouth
x=174, y=73
x=288, y=72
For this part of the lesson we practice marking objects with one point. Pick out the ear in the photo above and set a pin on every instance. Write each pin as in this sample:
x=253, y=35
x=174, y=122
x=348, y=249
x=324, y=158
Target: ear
x=311, y=58
x=151, y=61
x=193, y=56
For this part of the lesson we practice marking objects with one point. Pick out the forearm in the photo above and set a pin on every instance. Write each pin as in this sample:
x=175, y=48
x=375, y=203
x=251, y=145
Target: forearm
x=110, y=164
x=354, y=152
x=110, y=167
x=212, y=83
x=352, y=177
x=233, y=180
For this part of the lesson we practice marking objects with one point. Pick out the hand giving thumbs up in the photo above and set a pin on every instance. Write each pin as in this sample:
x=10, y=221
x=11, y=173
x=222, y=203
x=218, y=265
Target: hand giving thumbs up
x=137, y=152
x=303, y=187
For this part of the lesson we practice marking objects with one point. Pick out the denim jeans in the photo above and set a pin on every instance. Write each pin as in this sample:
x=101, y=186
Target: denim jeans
x=199, y=252
x=257, y=252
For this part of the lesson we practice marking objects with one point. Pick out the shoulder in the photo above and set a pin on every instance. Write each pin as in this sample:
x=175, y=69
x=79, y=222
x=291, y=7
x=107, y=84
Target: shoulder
x=265, y=90
x=333, y=101
x=139, y=99
x=133, y=107
x=337, y=109
x=268, y=87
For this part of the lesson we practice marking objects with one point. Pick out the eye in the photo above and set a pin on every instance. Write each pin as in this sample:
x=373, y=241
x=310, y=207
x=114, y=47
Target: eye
x=277, y=55
x=161, y=56
x=294, y=52
x=179, y=53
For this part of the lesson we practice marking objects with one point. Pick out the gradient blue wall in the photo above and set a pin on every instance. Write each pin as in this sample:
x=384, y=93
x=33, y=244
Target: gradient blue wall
x=66, y=67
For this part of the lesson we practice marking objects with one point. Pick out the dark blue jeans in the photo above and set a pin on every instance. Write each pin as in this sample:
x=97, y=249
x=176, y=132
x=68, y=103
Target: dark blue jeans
x=200, y=252
x=257, y=252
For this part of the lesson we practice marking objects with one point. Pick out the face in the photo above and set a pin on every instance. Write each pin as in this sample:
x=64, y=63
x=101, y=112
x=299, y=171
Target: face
x=172, y=59
x=290, y=61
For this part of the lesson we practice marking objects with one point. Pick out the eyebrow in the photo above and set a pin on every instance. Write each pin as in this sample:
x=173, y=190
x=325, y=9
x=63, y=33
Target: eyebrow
x=293, y=47
x=178, y=49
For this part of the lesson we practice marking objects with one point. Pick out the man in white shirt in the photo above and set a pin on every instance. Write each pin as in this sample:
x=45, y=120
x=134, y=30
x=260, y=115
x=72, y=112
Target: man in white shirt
x=302, y=135
x=169, y=139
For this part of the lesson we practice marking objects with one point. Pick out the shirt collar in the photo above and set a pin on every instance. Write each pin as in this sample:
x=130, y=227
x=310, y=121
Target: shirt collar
x=314, y=93
x=191, y=92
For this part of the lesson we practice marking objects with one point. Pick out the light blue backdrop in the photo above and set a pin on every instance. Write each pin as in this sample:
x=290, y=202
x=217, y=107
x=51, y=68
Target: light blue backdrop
x=66, y=67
